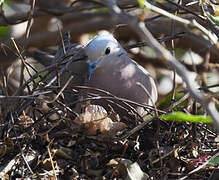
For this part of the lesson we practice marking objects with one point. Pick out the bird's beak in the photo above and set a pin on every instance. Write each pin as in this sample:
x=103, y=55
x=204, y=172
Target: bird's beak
x=92, y=66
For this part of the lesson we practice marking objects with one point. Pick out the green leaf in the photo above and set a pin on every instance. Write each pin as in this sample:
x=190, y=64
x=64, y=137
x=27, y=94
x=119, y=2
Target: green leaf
x=141, y=3
x=4, y=30
x=215, y=161
x=183, y=117
x=166, y=100
x=215, y=19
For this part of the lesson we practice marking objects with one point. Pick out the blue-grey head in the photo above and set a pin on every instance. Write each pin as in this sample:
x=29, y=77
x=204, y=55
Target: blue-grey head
x=99, y=47
x=102, y=45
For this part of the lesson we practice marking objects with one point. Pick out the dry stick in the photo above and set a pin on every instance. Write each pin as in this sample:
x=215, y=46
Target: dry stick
x=64, y=53
x=30, y=22
x=113, y=97
x=3, y=46
x=40, y=119
x=37, y=93
x=137, y=128
x=201, y=166
x=212, y=25
x=192, y=23
x=174, y=104
x=165, y=55
x=148, y=94
x=214, y=2
x=61, y=59
x=173, y=53
x=133, y=110
x=46, y=69
x=19, y=145
x=5, y=91
x=62, y=41
x=50, y=157
x=158, y=122
x=186, y=9
x=68, y=108
x=166, y=38
x=53, y=125
x=118, y=98
x=207, y=87
x=23, y=62
x=165, y=155
x=63, y=88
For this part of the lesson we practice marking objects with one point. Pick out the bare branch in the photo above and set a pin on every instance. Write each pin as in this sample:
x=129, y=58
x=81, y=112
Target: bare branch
x=164, y=54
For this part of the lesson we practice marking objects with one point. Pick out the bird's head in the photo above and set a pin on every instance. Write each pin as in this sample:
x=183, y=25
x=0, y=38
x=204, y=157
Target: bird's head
x=103, y=45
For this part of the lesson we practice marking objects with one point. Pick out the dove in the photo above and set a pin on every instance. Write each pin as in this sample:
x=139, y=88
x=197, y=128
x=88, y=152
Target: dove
x=112, y=70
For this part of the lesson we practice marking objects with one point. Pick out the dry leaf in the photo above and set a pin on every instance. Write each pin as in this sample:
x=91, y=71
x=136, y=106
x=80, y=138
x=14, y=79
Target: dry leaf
x=96, y=119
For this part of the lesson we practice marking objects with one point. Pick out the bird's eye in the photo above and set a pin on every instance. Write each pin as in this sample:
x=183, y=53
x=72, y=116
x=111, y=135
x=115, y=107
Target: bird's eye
x=107, y=51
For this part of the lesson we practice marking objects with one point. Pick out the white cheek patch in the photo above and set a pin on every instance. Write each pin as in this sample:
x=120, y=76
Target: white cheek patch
x=128, y=71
